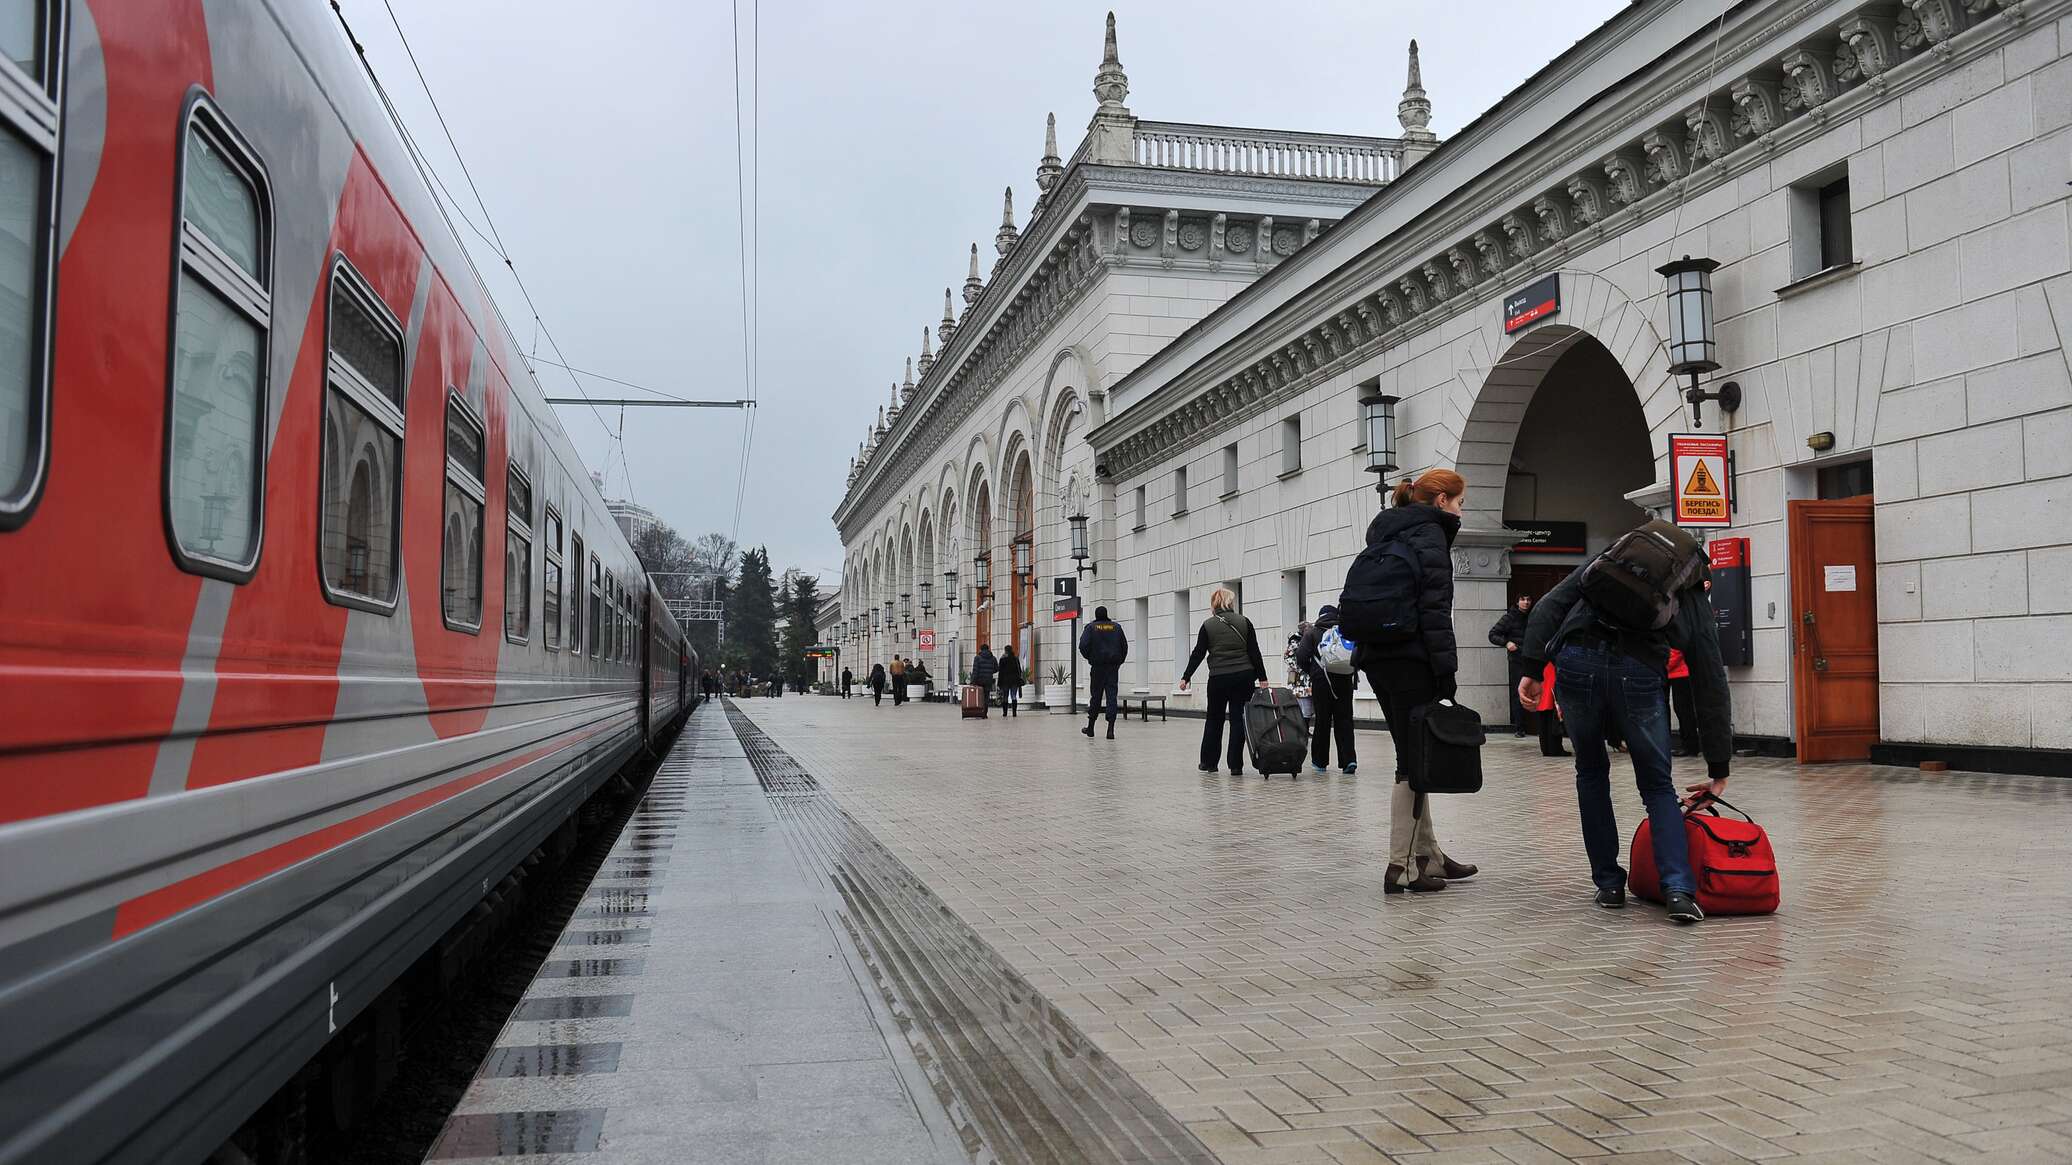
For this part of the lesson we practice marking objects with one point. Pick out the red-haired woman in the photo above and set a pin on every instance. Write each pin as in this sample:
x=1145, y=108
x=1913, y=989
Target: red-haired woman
x=1424, y=515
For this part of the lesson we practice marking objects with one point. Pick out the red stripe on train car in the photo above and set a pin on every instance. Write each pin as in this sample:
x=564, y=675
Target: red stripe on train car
x=145, y=909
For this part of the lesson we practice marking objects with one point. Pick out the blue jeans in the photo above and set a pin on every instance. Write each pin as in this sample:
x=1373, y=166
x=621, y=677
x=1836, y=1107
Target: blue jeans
x=1601, y=688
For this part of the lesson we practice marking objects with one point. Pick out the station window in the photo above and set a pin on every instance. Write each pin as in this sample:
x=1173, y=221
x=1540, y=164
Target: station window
x=222, y=309
x=1291, y=444
x=361, y=507
x=1820, y=229
x=597, y=644
x=550, y=582
x=1179, y=491
x=1229, y=470
x=460, y=571
x=32, y=40
x=517, y=555
x=575, y=595
x=1141, y=491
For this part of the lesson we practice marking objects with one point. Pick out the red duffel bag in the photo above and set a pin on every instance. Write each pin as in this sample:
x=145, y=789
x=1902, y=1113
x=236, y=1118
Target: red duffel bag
x=1731, y=861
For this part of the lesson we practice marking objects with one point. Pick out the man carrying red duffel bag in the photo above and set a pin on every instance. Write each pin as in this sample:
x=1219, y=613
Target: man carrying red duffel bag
x=1731, y=861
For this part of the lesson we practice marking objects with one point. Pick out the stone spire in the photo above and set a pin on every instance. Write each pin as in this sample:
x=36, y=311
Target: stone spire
x=906, y=387
x=1111, y=84
x=1415, y=112
x=1007, y=236
x=972, y=283
x=1051, y=168
x=948, y=325
x=927, y=355
x=879, y=431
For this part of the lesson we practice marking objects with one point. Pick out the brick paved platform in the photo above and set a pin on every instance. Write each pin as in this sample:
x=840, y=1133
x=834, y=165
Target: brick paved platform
x=1227, y=941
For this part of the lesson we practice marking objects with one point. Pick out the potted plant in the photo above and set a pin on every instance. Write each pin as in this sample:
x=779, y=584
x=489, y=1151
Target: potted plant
x=1054, y=693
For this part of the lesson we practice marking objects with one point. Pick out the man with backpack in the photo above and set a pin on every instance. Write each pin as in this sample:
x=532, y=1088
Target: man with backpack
x=1325, y=656
x=1509, y=629
x=1608, y=629
x=1104, y=647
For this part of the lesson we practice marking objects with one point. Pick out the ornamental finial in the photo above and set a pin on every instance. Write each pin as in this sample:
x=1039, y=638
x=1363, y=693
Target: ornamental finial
x=927, y=354
x=1111, y=84
x=972, y=283
x=1415, y=110
x=1051, y=168
x=1006, y=237
x=949, y=319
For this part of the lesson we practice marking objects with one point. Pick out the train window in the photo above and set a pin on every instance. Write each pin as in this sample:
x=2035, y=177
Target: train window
x=611, y=618
x=30, y=37
x=362, y=469
x=222, y=305
x=550, y=582
x=517, y=555
x=575, y=595
x=460, y=572
x=596, y=608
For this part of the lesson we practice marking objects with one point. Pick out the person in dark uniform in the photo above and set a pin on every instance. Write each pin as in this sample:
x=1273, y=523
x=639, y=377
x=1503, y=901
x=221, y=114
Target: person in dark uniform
x=1508, y=632
x=1104, y=647
x=847, y=679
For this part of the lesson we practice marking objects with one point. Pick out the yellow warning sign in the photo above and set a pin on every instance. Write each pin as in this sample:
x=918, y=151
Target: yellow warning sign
x=1698, y=470
x=1701, y=483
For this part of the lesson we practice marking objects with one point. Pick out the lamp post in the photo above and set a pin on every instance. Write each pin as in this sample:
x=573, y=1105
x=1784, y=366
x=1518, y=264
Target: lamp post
x=1378, y=423
x=1693, y=348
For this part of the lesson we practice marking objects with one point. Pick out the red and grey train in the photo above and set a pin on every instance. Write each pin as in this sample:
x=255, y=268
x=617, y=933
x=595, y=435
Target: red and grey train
x=312, y=625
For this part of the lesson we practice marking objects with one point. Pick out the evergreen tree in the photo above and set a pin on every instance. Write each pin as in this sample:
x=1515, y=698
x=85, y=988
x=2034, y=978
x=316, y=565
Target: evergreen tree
x=801, y=604
x=752, y=616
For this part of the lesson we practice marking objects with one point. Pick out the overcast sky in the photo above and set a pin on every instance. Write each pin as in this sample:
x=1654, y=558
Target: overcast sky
x=603, y=140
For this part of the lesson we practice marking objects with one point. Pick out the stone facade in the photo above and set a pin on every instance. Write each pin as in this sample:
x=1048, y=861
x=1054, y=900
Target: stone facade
x=1935, y=349
x=1147, y=228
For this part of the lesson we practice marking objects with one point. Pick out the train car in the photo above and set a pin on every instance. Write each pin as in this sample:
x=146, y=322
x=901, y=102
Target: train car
x=312, y=624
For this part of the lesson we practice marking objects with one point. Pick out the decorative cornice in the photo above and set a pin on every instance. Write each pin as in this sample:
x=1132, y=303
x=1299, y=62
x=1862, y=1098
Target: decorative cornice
x=1790, y=97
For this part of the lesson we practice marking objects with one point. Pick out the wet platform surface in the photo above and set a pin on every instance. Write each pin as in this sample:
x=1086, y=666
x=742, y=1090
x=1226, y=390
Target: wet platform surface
x=846, y=933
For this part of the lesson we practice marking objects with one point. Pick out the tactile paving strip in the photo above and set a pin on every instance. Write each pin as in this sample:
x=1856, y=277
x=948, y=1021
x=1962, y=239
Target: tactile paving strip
x=1023, y=1081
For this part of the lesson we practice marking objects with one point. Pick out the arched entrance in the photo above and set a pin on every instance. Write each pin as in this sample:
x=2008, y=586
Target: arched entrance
x=1022, y=553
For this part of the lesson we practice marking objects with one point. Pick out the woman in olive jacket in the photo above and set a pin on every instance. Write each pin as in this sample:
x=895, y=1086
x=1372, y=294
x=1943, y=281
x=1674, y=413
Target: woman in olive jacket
x=1425, y=515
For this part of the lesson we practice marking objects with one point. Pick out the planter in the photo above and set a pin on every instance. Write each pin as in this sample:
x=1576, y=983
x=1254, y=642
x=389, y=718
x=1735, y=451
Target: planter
x=916, y=691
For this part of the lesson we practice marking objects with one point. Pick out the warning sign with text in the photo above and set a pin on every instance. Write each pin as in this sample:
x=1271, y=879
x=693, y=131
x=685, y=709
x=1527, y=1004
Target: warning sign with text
x=1698, y=475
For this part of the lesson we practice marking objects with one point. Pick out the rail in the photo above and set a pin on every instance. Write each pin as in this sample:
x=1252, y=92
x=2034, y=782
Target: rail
x=1294, y=155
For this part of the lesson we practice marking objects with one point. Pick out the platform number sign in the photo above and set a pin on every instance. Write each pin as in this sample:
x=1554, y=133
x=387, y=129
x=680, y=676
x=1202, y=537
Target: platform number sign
x=1700, y=480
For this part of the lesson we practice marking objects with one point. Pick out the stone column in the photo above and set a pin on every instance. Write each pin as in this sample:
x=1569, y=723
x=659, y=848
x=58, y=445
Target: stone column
x=1481, y=585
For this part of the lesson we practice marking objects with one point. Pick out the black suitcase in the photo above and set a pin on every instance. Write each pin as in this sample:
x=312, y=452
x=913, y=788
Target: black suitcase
x=1275, y=732
x=1449, y=748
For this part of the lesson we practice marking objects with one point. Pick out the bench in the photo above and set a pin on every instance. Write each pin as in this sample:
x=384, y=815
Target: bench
x=1144, y=700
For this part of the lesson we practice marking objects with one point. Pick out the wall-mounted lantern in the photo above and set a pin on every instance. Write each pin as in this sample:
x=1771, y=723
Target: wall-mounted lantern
x=906, y=606
x=1693, y=347
x=927, y=599
x=1082, y=559
x=949, y=588
x=1378, y=424
x=982, y=572
x=1023, y=551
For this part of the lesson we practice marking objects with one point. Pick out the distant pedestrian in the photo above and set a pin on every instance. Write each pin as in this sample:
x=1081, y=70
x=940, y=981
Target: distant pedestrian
x=1011, y=680
x=1105, y=648
x=1226, y=639
x=1609, y=671
x=877, y=684
x=1331, y=684
x=1424, y=516
x=899, y=681
x=983, y=668
x=1509, y=629
x=847, y=679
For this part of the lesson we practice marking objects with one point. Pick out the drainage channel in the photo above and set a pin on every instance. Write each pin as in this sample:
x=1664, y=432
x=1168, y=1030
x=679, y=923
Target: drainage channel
x=1022, y=1082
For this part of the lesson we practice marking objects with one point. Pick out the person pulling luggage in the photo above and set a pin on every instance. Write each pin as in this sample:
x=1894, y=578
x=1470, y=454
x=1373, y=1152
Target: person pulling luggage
x=1398, y=607
x=1104, y=647
x=1509, y=629
x=1226, y=639
x=1608, y=628
x=1326, y=660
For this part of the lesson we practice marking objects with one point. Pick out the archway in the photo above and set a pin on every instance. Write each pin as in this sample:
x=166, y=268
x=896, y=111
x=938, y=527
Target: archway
x=981, y=581
x=1022, y=607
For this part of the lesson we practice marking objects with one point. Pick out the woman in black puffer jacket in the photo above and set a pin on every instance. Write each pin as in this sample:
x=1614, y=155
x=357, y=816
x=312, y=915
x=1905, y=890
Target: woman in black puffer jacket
x=1425, y=516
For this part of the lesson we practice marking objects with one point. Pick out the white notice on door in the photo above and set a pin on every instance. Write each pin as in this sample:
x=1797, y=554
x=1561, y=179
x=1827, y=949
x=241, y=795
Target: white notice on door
x=1839, y=578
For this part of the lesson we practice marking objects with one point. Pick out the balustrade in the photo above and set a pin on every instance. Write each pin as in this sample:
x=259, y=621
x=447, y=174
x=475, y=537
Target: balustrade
x=1289, y=155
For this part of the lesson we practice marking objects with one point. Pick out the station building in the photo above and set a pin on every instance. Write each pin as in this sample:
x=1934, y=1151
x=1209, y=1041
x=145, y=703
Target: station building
x=1880, y=190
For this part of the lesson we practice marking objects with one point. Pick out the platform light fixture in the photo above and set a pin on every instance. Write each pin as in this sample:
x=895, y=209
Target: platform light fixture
x=982, y=572
x=1082, y=559
x=1693, y=347
x=906, y=607
x=1023, y=551
x=1378, y=423
x=949, y=588
x=927, y=598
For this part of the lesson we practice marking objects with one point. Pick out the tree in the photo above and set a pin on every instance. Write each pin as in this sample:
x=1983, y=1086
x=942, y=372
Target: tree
x=712, y=556
x=752, y=616
x=801, y=605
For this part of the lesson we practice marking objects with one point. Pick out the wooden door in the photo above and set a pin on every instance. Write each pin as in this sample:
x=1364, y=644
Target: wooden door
x=1834, y=603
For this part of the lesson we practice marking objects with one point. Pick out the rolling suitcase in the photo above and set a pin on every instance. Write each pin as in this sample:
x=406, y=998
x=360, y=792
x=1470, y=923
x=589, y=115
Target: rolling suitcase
x=974, y=702
x=1275, y=733
x=1449, y=748
x=1731, y=861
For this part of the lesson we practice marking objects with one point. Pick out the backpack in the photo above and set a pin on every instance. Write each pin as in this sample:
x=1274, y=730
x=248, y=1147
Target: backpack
x=1335, y=652
x=1634, y=584
x=1379, y=602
